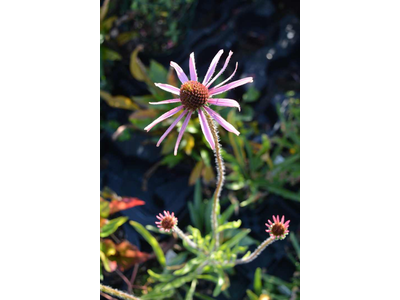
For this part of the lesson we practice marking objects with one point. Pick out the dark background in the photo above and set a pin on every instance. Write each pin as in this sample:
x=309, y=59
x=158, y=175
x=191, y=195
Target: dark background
x=265, y=39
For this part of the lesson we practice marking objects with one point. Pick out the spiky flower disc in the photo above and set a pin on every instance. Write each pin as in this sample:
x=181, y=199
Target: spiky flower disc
x=279, y=228
x=166, y=222
x=193, y=94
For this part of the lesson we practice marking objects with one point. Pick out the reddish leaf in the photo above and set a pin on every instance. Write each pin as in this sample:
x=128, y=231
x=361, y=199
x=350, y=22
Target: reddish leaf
x=128, y=255
x=124, y=203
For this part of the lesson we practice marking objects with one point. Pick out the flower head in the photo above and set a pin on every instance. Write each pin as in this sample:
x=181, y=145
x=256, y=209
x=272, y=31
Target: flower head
x=167, y=221
x=195, y=96
x=278, y=229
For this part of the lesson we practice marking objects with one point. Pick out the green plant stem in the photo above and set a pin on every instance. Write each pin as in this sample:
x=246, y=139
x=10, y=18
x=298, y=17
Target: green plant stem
x=185, y=237
x=256, y=252
x=221, y=176
x=116, y=293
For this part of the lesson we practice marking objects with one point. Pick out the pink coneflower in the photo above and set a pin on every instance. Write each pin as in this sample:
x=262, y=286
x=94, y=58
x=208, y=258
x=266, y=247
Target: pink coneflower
x=196, y=96
x=167, y=221
x=278, y=229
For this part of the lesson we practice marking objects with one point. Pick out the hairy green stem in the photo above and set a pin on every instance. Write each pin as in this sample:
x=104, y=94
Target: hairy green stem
x=256, y=252
x=116, y=293
x=185, y=238
x=221, y=176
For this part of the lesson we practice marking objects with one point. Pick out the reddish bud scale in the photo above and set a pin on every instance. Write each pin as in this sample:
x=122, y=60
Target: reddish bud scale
x=193, y=95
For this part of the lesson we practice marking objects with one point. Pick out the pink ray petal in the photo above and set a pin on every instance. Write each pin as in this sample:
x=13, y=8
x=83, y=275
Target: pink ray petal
x=222, y=70
x=229, y=86
x=163, y=117
x=229, y=78
x=212, y=67
x=183, y=128
x=158, y=217
x=222, y=121
x=224, y=102
x=192, y=68
x=168, y=88
x=269, y=221
x=206, y=129
x=165, y=101
x=283, y=219
x=182, y=76
x=287, y=223
x=273, y=217
x=171, y=127
x=277, y=217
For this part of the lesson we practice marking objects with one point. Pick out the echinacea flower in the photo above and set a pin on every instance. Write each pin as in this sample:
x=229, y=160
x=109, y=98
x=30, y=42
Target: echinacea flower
x=278, y=229
x=196, y=96
x=167, y=221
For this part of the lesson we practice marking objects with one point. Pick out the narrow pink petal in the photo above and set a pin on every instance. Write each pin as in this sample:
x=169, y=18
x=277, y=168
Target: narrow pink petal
x=269, y=221
x=222, y=70
x=182, y=76
x=168, y=88
x=158, y=217
x=171, y=127
x=229, y=78
x=273, y=217
x=229, y=86
x=287, y=223
x=222, y=121
x=212, y=67
x=165, y=101
x=158, y=222
x=192, y=68
x=283, y=219
x=224, y=102
x=206, y=129
x=183, y=128
x=268, y=230
x=163, y=117
x=277, y=217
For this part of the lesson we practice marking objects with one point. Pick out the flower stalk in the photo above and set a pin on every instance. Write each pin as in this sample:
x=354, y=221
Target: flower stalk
x=220, y=178
x=256, y=252
x=185, y=238
x=117, y=293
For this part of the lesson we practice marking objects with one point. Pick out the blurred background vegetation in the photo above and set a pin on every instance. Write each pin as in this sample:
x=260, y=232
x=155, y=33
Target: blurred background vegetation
x=138, y=39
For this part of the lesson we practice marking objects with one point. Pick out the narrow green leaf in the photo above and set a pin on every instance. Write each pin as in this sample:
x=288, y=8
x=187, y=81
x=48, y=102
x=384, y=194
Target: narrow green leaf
x=251, y=295
x=257, y=282
x=229, y=225
x=220, y=283
x=189, y=295
x=112, y=226
x=151, y=240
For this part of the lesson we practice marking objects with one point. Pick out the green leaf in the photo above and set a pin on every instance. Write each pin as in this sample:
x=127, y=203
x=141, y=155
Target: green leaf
x=109, y=54
x=189, y=295
x=284, y=193
x=236, y=239
x=158, y=295
x=251, y=295
x=104, y=209
x=112, y=226
x=251, y=95
x=178, y=282
x=151, y=240
x=220, y=283
x=161, y=277
x=157, y=72
x=295, y=243
x=227, y=213
x=188, y=266
x=229, y=225
x=257, y=282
